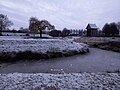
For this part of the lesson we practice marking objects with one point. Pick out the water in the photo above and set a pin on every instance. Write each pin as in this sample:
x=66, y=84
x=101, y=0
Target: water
x=96, y=61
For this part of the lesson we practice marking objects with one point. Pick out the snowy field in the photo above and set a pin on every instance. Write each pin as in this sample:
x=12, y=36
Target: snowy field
x=75, y=81
x=42, y=81
x=17, y=44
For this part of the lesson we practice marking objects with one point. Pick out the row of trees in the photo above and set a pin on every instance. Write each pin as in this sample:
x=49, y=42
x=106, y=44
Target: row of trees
x=111, y=29
x=36, y=25
x=66, y=32
x=57, y=33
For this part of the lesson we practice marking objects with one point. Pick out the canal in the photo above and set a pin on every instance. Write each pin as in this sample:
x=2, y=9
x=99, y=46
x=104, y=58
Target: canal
x=96, y=61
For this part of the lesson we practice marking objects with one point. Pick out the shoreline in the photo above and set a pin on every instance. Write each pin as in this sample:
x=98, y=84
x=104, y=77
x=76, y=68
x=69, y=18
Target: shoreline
x=104, y=43
x=13, y=56
x=109, y=46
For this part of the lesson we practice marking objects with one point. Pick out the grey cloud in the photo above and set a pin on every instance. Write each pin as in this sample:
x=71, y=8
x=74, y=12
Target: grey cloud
x=62, y=13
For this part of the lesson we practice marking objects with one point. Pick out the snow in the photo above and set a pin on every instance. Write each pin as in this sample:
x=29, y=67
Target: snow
x=42, y=81
x=73, y=81
x=16, y=44
x=93, y=26
x=11, y=34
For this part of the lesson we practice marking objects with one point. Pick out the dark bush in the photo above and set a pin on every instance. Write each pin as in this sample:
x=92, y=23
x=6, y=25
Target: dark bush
x=54, y=54
x=27, y=34
x=30, y=55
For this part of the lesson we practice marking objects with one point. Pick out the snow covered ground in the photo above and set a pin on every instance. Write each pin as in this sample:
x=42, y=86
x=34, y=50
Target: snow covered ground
x=42, y=81
x=16, y=44
x=74, y=81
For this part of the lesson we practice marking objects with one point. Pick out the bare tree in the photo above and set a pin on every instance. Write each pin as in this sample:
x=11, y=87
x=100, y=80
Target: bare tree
x=37, y=25
x=32, y=25
x=4, y=22
x=118, y=24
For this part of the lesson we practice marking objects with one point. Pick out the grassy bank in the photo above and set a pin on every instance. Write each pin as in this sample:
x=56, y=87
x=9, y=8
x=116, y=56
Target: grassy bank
x=28, y=55
x=105, y=43
x=111, y=46
x=13, y=49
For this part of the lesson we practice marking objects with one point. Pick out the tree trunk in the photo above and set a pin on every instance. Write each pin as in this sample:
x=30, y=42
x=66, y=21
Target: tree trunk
x=0, y=30
x=0, y=33
x=40, y=33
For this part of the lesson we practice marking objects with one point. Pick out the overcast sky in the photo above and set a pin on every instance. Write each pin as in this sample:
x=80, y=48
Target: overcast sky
x=73, y=14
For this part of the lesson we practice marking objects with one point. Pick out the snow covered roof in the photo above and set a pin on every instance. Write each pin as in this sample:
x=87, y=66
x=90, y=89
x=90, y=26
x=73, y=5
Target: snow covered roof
x=91, y=26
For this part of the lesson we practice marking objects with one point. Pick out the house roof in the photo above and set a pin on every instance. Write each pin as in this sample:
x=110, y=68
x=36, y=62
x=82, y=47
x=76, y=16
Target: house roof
x=91, y=26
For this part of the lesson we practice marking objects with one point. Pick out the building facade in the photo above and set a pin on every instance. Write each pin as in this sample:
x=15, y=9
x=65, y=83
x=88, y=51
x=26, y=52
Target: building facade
x=92, y=30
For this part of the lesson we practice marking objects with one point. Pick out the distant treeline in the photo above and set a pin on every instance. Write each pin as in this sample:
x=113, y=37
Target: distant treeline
x=39, y=26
